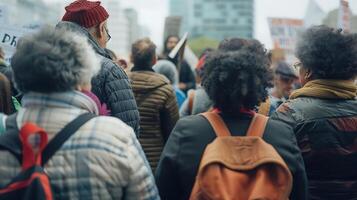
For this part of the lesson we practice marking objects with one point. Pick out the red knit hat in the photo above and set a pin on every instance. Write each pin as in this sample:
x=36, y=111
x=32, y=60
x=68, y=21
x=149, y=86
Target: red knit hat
x=85, y=13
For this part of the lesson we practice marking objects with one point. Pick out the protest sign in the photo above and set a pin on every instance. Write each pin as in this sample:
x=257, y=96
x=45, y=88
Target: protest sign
x=9, y=36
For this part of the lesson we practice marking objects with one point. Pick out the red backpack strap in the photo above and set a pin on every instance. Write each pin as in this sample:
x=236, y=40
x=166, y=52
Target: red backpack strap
x=217, y=124
x=257, y=126
x=29, y=157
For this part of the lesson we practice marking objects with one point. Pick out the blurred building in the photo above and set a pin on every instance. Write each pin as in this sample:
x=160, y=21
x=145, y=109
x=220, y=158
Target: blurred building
x=133, y=26
x=314, y=14
x=332, y=20
x=215, y=19
x=119, y=27
x=144, y=31
x=172, y=26
x=179, y=11
x=29, y=12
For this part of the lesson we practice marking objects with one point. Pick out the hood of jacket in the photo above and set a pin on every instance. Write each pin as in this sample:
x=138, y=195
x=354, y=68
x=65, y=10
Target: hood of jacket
x=147, y=81
x=84, y=32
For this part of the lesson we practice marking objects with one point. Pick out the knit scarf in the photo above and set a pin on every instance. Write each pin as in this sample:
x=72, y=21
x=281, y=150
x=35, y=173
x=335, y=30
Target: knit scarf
x=102, y=108
x=327, y=89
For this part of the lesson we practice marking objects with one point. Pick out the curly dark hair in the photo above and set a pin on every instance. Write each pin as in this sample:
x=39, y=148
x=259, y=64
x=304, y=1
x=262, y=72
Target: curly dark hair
x=328, y=53
x=232, y=44
x=238, y=79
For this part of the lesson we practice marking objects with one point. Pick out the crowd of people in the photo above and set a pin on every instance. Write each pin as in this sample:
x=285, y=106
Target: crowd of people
x=152, y=128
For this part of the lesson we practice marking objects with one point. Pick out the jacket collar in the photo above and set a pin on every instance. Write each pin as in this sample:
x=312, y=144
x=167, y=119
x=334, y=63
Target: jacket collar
x=327, y=89
x=84, y=32
x=147, y=68
x=70, y=100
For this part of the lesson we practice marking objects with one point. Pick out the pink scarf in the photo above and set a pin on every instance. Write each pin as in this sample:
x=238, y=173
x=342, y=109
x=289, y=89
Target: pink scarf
x=102, y=108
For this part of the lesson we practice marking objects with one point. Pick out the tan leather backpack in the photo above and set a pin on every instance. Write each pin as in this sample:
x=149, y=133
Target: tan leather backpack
x=264, y=107
x=241, y=168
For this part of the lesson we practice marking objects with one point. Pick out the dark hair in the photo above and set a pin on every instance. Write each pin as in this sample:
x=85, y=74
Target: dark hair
x=328, y=53
x=206, y=51
x=238, y=79
x=143, y=52
x=232, y=44
x=167, y=51
x=202, y=59
x=5, y=96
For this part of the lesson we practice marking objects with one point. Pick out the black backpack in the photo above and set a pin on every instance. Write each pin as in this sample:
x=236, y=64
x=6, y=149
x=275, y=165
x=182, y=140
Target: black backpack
x=32, y=183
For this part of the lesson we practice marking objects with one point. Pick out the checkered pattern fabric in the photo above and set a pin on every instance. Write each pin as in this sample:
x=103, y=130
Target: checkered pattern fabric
x=102, y=160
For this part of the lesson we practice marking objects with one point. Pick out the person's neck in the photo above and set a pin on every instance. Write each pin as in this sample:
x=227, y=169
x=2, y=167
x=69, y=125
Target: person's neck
x=275, y=94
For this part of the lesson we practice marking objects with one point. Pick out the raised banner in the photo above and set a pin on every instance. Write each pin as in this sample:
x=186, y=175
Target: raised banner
x=9, y=36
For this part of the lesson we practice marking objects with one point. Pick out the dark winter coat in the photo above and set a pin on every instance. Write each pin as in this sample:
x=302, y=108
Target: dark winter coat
x=181, y=157
x=326, y=132
x=111, y=84
x=187, y=76
x=158, y=110
x=7, y=71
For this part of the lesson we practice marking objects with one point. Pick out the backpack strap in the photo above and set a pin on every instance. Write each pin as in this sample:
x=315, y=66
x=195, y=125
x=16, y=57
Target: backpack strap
x=56, y=143
x=217, y=124
x=257, y=125
x=10, y=141
x=264, y=107
x=191, y=97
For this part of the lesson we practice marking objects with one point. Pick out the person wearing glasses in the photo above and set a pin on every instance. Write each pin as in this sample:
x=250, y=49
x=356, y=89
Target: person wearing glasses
x=111, y=84
x=284, y=79
x=323, y=113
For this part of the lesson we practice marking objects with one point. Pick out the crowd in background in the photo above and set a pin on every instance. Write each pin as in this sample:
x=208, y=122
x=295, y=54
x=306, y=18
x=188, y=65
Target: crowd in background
x=149, y=137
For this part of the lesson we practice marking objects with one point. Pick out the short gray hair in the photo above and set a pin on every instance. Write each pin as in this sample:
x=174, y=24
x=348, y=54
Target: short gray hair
x=168, y=69
x=53, y=61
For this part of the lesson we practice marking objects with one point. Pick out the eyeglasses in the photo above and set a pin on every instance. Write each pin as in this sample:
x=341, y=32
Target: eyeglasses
x=108, y=36
x=297, y=66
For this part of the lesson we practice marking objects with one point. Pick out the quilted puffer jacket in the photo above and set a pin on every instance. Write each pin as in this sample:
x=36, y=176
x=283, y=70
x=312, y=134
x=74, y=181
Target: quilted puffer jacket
x=111, y=85
x=158, y=111
x=101, y=160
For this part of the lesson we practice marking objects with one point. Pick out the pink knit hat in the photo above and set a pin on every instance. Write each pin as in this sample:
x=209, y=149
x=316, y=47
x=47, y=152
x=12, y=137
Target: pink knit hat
x=85, y=13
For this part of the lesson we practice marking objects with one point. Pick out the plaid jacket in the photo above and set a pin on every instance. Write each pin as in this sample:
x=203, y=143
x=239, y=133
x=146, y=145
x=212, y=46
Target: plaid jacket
x=102, y=160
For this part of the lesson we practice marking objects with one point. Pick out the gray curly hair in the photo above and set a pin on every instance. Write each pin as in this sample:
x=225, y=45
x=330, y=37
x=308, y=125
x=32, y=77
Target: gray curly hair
x=53, y=61
x=167, y=69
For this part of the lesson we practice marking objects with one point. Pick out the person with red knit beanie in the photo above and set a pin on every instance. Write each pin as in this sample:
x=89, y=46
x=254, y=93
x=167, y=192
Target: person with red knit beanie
x=90, y=15
x=111, y=85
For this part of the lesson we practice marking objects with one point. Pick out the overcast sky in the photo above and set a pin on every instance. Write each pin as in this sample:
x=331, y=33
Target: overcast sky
x=152, y=13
